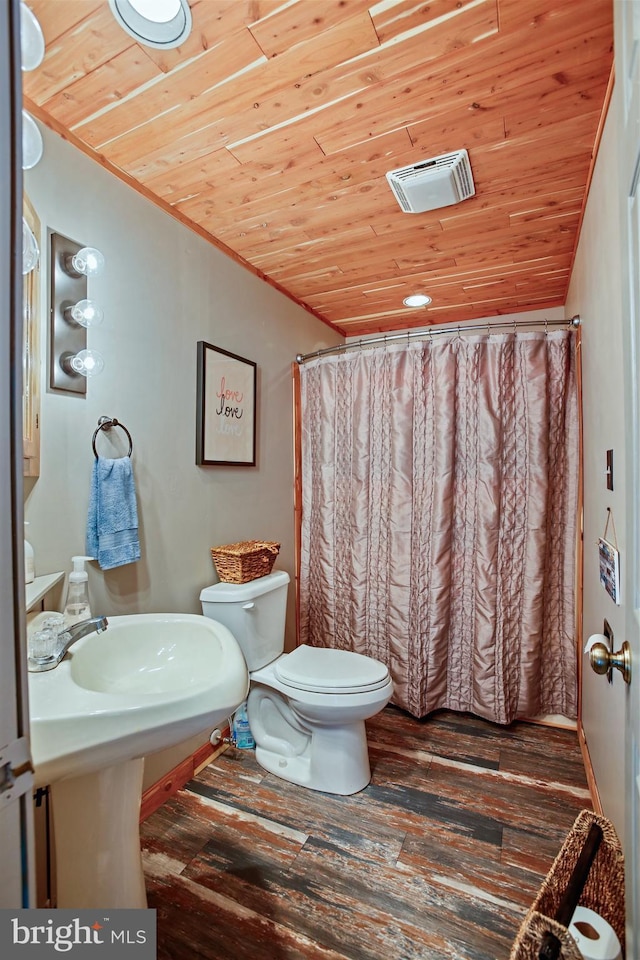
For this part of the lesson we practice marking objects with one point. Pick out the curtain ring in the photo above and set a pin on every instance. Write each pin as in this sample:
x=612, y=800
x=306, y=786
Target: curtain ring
x=546, y=327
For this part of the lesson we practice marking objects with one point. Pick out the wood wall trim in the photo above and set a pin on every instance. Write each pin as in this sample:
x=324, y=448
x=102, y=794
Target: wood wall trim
x=297, y=485
x=594, y=156
x=591, y=779
x=580, y=531
x=159, y=792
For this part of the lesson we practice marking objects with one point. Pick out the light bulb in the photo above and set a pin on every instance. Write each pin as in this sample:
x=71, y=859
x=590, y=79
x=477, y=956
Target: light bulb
x=417, y=300
x=31, y=39
x=30, y=251
x=31, y=142
x=158, y=11
x=88, y=261
x=88, y=363
x=85, y=312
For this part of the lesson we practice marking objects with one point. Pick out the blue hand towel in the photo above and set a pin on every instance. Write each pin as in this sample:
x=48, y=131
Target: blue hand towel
x=112, y=522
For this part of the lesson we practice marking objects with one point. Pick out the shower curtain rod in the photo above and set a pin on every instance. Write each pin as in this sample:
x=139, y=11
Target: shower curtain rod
x=425, y=334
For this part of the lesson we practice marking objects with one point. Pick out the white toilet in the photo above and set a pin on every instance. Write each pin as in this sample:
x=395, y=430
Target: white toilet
x=307, y=708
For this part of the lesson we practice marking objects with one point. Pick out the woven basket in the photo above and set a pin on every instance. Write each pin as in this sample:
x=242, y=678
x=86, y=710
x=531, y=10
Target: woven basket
x=245, y=561
x=603, y=891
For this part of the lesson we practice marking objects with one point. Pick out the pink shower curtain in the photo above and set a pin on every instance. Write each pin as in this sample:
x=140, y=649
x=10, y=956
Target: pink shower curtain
x=439, y=502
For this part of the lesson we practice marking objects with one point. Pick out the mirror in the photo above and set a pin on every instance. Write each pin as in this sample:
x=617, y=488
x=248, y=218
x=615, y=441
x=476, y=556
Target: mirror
x=31, y=348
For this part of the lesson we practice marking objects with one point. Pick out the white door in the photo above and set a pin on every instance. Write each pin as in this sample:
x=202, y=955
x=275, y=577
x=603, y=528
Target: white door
x=627, y=46
x=15, y=779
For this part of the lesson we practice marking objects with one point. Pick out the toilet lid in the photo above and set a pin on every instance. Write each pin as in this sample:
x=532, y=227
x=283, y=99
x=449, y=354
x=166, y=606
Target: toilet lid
x=321, y=670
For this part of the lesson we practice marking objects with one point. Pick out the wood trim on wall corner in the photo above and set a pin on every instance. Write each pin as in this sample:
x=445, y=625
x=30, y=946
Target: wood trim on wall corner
x=591, y=780
x=159, y=792
x=579, y=578
x=297, y=485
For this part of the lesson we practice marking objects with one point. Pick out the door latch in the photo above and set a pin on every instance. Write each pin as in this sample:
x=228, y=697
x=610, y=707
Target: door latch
x=16, y=771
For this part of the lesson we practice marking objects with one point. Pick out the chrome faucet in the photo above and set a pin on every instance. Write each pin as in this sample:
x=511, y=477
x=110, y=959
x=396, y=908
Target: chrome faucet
x=75, y=632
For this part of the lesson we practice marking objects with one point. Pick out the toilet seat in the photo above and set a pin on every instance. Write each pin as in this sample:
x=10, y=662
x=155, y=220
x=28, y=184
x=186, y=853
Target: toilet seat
x=324, y=670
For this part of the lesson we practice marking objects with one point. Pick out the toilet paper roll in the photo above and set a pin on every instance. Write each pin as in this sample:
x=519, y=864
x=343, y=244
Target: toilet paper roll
x=595, y=938
x=596, y=638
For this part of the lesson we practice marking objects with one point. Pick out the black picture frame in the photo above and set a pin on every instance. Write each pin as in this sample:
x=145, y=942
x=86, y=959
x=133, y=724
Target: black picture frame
x=226, y=408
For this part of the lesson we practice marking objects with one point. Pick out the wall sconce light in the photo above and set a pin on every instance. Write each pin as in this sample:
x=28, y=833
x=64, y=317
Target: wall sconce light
x=32, y=145
x=71, y=312
x=31, y=39
x=85, y=312
x=30, y=249
x=87, y=363
x=87, y=262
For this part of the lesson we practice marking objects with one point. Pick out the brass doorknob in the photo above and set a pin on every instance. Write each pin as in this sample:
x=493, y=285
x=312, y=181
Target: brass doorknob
x=603, y=660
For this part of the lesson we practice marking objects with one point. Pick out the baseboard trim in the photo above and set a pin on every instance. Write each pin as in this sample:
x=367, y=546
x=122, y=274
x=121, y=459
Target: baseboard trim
x=159, y=792
x=553, y=720
x=588, y=768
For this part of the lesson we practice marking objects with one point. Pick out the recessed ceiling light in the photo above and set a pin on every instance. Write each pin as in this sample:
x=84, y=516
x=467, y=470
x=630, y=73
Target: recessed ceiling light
x=154, y=23
x=417, y=300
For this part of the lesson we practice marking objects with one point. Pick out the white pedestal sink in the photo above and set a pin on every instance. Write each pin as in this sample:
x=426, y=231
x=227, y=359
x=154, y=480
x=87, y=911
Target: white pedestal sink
x=148, y=682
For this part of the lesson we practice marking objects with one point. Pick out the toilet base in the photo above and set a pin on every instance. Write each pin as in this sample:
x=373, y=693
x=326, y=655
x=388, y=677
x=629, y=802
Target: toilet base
x=336, y=760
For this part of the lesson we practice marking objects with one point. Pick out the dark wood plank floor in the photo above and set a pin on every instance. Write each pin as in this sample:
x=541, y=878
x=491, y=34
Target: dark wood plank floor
x=438, y=858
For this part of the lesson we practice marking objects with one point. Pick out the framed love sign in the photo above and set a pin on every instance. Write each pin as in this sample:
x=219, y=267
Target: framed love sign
x=226, y=408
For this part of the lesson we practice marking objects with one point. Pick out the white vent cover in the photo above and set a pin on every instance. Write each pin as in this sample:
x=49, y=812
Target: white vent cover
x=433, y=183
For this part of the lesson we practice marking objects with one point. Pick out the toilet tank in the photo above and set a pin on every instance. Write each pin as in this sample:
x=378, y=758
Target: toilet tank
x=254, y=612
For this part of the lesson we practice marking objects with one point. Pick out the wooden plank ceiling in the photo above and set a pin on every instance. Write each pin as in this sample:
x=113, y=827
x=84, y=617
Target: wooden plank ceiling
x=271, y=129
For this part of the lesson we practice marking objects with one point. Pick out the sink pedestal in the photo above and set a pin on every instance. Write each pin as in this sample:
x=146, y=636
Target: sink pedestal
x=97, y=838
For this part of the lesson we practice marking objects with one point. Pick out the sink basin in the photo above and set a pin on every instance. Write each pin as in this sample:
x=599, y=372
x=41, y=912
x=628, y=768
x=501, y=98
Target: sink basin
x=149, y=682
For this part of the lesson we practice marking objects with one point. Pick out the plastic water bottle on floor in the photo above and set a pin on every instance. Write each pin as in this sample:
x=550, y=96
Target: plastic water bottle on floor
x=241, y=729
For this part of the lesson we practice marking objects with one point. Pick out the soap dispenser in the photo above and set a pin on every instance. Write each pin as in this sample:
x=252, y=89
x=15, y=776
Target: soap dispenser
x=77, y=604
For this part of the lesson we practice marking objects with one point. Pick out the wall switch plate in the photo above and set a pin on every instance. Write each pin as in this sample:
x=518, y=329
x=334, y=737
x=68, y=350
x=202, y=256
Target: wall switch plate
x=609, y=470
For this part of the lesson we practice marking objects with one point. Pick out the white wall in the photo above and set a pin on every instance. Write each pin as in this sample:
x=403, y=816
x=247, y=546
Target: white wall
x=594, y=293
x=163, y=289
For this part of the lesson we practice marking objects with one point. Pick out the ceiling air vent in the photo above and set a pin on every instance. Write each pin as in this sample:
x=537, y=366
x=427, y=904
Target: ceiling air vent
x=433, y=183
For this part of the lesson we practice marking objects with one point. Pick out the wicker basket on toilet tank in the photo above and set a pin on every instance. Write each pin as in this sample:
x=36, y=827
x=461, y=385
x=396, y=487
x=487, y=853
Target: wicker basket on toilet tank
x=245, y=561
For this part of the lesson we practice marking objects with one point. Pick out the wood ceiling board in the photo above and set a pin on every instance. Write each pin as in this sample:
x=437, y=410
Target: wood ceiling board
x=308, y=180
x=362, y=160
x=237, y=97
x=516, y=14
x=246, y=116
x=83, y=48
x=393, y=20
x=435, y=316
x=106, y=85
x=211, y=20
x=192, y=176
x=433, y=137
x=162, y=102
x=289, y=26
x=520, y=167
x=58, y=18
x=537, y=109
x=481, y=74
x=525, y=97
x=306, y=210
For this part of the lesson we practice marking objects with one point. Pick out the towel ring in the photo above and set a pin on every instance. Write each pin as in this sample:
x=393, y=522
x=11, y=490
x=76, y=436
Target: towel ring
x=105, y=423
